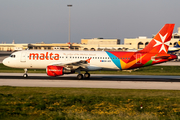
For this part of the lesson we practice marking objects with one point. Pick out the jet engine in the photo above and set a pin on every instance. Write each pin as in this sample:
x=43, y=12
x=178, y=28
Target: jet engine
x=57, y=70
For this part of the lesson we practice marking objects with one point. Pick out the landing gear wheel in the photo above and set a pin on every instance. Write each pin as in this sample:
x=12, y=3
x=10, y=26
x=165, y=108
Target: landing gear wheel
x=25, y=75
x=79, y=76
x=86, y=75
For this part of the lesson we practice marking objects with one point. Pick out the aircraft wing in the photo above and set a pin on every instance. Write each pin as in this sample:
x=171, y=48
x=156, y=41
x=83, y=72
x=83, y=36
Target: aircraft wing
x=73, y=65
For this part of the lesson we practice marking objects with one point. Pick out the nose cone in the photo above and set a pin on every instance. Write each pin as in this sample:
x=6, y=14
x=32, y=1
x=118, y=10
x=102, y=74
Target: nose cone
x=8, y=62
x=5, y=62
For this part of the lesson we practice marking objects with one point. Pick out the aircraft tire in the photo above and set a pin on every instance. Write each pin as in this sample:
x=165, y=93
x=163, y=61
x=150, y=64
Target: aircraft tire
x=86, y=75
x=80, y=76
x=25, y=75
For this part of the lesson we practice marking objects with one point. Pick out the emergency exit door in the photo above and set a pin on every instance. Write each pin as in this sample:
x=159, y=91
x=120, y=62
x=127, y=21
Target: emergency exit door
x=23, y=57
x=138, y=58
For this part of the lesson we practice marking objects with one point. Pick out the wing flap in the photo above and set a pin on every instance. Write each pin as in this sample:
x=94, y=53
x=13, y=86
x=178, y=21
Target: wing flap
x=74, y=65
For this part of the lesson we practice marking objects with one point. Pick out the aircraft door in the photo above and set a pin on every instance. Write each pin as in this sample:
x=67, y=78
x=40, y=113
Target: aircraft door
x=138, y=58
x=23, y=57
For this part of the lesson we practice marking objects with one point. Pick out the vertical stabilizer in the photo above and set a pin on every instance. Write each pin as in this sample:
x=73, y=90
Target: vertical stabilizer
x=160, y=43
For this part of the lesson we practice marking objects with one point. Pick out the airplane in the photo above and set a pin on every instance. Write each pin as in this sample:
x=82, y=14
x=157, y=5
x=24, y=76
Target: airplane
x=174, y=49
x=177, y=45
x=58, y=63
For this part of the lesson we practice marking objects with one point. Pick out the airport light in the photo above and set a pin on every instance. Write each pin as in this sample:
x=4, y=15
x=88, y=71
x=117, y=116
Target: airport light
x=69, y=22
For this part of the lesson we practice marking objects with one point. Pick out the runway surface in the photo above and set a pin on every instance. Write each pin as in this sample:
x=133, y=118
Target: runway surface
x=96, y=81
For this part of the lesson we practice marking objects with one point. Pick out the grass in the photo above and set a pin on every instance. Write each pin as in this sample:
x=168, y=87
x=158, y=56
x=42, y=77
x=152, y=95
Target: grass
x=150, y=70
x=91, y=104
x=88, y=104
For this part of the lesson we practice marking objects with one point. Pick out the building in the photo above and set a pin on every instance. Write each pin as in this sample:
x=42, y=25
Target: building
x=54, y=46
x=90, y=44
x=102, y=44
x=13, y=47
x=86, y=44
x=142, y=41
x=39, y=46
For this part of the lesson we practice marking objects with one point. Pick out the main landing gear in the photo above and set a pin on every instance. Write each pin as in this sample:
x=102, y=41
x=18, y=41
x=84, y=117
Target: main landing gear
x=79, y=76
x=25, y=75
x=86, y=76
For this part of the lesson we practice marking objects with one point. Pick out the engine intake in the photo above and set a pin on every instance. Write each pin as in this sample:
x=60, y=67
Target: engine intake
x=57, y=70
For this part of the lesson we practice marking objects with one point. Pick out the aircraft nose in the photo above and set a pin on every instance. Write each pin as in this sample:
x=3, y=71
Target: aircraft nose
x=5, y=62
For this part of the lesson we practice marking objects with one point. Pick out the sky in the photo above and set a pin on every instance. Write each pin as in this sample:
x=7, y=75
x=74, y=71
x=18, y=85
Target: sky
x=35, y=21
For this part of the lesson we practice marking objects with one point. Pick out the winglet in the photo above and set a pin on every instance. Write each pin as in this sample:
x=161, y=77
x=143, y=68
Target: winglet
x=160, y=43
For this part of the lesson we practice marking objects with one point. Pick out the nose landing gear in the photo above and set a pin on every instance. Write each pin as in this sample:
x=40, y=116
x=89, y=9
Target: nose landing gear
x=25, y=75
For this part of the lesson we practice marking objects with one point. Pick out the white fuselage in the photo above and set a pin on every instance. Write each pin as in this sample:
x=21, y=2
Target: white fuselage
x=40, y=59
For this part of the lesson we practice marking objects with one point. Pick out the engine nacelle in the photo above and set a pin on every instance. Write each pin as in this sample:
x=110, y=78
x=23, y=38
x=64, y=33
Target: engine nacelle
x=57, y=70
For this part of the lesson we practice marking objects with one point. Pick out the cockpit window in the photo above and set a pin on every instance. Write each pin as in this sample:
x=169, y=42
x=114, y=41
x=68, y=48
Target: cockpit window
x=12, y=56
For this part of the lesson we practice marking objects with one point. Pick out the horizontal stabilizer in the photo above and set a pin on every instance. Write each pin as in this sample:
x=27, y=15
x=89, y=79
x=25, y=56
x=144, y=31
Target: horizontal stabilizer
x=161, y=57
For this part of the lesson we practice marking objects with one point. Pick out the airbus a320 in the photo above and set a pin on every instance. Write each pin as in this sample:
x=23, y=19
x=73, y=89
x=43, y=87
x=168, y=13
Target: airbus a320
x=58, y=63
